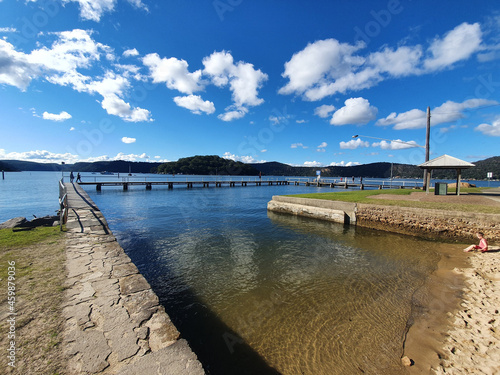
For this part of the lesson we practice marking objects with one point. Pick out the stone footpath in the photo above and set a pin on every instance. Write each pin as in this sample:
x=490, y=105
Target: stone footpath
x=114, y=322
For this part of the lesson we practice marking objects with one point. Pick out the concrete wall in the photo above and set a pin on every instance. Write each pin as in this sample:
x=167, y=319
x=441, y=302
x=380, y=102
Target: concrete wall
x=438, y=224
x=338, y=212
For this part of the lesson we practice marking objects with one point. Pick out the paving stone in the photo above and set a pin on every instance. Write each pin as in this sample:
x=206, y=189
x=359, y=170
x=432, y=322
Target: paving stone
x=94, y=350
x=175, y=359
x=162, y=331
x=126, y=269
x=133, y=284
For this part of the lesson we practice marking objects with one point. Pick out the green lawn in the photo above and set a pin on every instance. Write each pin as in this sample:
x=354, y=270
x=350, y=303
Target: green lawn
x=10, y=238
x=361, y=196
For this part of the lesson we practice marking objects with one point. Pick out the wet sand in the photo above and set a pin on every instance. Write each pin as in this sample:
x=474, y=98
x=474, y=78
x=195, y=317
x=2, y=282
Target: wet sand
x=458, y=331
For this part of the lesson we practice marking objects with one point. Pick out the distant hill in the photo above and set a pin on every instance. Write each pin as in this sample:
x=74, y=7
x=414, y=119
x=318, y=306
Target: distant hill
x=211, y=165
x=376, y=170
x=207, y=165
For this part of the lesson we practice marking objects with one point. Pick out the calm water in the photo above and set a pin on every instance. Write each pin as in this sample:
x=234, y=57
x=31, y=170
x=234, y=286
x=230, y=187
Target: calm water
x=255, y=292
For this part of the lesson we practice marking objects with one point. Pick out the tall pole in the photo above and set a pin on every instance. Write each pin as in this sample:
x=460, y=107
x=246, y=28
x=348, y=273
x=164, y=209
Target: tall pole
x=427, y=145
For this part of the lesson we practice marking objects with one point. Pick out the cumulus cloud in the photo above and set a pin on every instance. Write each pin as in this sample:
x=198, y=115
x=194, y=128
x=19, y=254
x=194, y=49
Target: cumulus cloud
x=118, y=107
x=60, y=63
x=195, y=104
x=327, y=67
x=357, y=111
x=243, y=79
x=324, y=110
x=7, y=30
x=233, y=114
x=458, y=44
x=174, y=73
x=39, y=156
x=128, y=140
x=243, y=159
x=354, y=144
x=93, y=10
x=63, y=116
x=297, y=145
x=447, y=112
x=491, y=130
x=344, y=164
x=312, y=164
x=130, y=52
x=321, y=147
x=397, y=144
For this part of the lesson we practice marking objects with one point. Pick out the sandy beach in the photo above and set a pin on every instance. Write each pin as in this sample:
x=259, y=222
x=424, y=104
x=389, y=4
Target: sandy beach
x=472, y=345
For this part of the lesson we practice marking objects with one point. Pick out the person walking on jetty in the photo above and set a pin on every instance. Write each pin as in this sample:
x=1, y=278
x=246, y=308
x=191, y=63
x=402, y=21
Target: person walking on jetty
x=78, y=178
x=71, y=177
x=483, y=244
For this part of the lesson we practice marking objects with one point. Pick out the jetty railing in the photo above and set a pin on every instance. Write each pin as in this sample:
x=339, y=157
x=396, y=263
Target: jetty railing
x=63, y=203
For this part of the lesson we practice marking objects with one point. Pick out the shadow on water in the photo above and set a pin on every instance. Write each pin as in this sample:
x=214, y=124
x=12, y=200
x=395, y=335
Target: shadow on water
x=220, y=350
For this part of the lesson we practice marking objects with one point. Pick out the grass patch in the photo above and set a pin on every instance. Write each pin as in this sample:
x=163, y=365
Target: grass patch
x=362, y=196
x=12, y=239
x=39, y=256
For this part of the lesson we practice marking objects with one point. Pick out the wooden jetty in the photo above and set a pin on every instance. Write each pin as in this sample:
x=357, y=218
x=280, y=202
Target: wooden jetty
x=346, y=184
x=187, y=183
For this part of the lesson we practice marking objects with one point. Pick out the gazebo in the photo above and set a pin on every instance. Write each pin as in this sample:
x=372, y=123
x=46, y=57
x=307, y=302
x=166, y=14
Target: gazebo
x=446, y=162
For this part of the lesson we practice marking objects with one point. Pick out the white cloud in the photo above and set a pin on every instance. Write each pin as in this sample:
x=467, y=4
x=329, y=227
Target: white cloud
x=300, y=121
x=130, y=52
x=39, y=156
x=318, y=64
x=344, y=164
x=63, y=116
x=243, y=79
x=195, y=104
x=357, y=111
x=397, y=144
x=324, y=110
x=354, y=144
x=93, y=10
x=234, y=114
x=327, y=67
x=400, y=62
x=118, y=107
x=16, y=69
x=8, y=30
x=458, y=44
x=128, y=140
x=297, y=145
x=321, y=147
x=243, y=159
x=72, y=129
x=491, y=130
x=312, y=164
x=445, y=113
x=174, y=73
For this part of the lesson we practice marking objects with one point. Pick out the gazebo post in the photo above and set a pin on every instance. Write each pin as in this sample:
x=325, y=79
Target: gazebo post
x=459, y=173
x=428, y=180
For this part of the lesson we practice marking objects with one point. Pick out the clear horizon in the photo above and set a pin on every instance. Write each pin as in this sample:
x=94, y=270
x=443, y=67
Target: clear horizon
x=253, y=81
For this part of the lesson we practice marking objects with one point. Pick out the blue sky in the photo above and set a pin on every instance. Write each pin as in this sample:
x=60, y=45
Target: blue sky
x=88, y=80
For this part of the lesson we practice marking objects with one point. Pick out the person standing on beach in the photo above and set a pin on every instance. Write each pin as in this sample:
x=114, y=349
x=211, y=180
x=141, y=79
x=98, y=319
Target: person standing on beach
x=483, y=244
